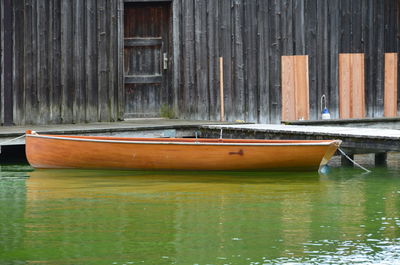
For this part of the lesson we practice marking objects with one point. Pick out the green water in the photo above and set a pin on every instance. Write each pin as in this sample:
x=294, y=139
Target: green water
x=113, y=217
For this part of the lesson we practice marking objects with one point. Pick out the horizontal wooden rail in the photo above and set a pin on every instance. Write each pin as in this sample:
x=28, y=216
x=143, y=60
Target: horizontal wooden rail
x=143, y=79
x=135, y=42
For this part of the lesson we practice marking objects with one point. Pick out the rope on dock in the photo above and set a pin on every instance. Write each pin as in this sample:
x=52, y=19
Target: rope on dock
x=13, y=139
x=354, y=162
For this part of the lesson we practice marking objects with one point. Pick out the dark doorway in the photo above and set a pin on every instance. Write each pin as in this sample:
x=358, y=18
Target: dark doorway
x=147, y=55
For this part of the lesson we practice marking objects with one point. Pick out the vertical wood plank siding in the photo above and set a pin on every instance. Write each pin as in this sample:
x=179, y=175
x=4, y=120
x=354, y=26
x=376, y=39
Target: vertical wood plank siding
x=7, y=60
x=67, y=61
x=1, y=62
x=68, y=56
x=253, y=35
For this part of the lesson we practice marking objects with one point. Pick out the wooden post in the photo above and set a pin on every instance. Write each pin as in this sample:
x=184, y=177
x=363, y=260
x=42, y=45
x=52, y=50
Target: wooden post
x=221, y=87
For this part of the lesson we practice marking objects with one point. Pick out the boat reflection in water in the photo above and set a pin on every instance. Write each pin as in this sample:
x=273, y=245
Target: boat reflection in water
x=96, y=217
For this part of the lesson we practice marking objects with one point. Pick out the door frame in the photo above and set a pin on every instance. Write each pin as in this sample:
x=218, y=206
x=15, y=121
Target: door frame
x=173, y=48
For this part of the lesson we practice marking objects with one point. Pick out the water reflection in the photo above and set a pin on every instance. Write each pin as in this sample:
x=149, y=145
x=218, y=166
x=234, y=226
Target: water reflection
x=116, y=217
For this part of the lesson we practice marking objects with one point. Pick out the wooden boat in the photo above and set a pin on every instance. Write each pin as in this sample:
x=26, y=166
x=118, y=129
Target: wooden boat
x=93, y=152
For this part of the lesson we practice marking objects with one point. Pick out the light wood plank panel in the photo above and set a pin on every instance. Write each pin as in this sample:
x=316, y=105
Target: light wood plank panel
x=295, y=84
x=288, y=89
x=390, y=104
x=358, y=85
x=351, y=85
x=302, y=85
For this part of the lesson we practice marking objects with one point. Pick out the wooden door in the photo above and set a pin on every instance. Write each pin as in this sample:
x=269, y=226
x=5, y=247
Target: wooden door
x=146, y=58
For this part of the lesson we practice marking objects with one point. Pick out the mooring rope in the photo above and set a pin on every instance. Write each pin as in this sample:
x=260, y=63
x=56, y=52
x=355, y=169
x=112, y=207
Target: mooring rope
x=13, y=139
x=354, y=162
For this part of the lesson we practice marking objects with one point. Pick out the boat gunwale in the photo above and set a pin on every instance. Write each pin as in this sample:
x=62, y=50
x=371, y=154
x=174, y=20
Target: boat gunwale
x=194, y=142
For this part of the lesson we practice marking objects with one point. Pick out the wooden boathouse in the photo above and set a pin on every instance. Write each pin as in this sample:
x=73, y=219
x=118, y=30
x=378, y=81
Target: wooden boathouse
x=72, y=61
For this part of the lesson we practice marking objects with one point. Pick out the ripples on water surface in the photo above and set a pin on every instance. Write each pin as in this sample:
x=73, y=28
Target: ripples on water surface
x=116, y=217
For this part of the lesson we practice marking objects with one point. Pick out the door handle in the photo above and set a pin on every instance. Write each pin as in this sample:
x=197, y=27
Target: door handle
x=165, y=61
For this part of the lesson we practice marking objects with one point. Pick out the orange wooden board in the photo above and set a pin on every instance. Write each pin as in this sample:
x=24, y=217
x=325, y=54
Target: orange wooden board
x=288, y=89
x=302, y=92
x=351, y=85
x=295, y=92
x=390, y=103
x=344, y=86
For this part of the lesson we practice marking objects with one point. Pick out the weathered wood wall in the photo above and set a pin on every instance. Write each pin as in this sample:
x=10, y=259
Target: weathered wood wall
x=67, y=56
x=67, y=61
x=1, y=63
x=253, y=35
x=6, y=63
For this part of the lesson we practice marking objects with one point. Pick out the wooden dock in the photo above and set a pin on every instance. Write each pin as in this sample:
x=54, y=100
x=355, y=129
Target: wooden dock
x=377, y=122
x=128, y=128
x=355, y=140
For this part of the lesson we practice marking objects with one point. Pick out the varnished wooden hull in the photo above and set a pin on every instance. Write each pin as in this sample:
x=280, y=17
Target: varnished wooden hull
x=47, y=151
